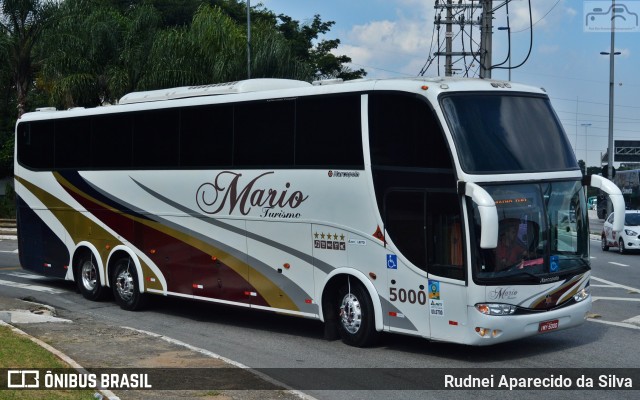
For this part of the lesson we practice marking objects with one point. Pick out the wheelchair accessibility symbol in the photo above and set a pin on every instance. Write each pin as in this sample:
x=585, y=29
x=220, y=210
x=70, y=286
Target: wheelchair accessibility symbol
x=392, y=261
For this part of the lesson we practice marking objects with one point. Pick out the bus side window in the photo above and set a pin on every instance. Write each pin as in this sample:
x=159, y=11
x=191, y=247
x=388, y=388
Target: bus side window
x=156, y=139
x=444, y=230
x=73, y=143
x=36, y=144
x=426, y=228
x=329, y=132
x=111, y=134
x=405, y=221
x=206, y=136
x=264, y=134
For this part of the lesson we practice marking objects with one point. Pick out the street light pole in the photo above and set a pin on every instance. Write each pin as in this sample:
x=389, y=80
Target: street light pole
x=612, y=53
x=248, y=39
x=586, y=154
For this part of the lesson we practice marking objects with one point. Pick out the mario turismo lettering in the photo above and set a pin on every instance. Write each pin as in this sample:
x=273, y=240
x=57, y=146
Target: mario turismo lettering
x=226, y=193
x=503, y=293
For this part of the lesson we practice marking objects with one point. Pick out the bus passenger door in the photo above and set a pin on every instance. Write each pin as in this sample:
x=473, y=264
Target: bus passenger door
x=425, y=225
x=405, y=223
x=447, y=292
x=281, y=266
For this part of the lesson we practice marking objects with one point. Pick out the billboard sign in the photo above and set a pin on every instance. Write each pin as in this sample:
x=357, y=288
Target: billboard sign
x=626, y=151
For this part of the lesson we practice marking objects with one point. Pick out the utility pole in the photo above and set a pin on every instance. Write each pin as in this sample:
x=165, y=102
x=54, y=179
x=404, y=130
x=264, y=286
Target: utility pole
x=449, y=21
x=448, y=60
x=486, y=39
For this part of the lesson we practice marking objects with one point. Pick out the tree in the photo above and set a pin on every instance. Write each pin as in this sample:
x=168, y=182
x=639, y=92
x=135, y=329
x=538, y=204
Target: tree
x=97, y=54
x=21, y=24
x=213, y=49
x=320, y=57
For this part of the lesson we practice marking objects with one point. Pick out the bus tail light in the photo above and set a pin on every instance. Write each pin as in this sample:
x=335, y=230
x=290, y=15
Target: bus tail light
x=496, y=309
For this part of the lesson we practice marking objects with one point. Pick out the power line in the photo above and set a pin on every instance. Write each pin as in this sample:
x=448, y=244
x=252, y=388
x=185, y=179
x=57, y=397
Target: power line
x=461, y=15
x=543, y=17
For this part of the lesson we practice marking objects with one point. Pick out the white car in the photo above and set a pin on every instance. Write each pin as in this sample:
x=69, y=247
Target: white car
x=625, y=240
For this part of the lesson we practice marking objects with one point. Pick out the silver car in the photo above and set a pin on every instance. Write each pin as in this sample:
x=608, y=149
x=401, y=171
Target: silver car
x=626, y=240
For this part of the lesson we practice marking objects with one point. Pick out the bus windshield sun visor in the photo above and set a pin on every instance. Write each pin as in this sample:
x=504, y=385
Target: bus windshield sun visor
x=487, y=210
x=617, y=200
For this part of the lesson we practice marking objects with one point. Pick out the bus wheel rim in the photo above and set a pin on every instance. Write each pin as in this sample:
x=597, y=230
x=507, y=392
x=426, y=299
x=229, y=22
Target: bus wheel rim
x=351, y=313
x=89, y=275
x=125, y=285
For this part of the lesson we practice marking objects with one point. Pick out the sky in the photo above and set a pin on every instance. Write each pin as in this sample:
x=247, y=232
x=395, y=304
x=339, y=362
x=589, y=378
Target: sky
x=393, y=38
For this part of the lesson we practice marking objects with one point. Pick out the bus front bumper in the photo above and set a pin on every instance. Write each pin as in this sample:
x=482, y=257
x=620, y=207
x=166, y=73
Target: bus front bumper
x=492, y=329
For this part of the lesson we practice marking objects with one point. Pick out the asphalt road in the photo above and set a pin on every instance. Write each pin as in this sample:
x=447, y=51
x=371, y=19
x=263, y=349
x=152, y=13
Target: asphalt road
x=283, y=344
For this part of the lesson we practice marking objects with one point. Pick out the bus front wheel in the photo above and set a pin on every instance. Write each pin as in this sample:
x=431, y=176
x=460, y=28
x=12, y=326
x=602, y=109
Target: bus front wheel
x=356, y=320
x=88, y=279
x=126, y=288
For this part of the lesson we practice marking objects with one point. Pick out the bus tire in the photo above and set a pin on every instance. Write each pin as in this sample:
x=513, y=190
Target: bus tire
x=88, y=280
x=126, y=289
x=356, y=318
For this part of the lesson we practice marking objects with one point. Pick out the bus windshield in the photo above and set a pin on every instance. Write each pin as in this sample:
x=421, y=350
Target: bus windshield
x=542, y=233
x=506, y=133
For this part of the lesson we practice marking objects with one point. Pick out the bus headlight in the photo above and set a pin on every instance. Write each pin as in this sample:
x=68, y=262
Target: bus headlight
x=582, y=294
x=496, y=309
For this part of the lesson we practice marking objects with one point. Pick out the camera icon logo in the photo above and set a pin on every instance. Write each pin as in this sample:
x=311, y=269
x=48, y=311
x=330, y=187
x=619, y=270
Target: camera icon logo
x=603, y=16
x=19, y=379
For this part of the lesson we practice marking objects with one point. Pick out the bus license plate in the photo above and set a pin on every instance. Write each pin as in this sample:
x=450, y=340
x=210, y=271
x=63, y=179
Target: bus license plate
x=547, y=326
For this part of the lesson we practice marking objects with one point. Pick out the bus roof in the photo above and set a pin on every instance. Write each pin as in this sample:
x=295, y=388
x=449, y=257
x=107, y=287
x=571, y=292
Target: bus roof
x=278, y=88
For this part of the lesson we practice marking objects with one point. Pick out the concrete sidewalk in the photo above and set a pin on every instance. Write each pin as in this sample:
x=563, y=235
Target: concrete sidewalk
x=8, y=229
x=84, y=342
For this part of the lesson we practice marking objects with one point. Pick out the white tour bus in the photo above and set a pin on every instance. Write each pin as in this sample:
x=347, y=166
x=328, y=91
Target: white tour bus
x=429, y=207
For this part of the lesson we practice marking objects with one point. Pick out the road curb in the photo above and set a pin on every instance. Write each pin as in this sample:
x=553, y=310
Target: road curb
x=72, y=363
x=42, y=329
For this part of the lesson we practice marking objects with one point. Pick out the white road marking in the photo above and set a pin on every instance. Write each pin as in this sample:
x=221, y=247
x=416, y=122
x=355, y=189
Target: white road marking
x=225, y=359
x=37, y=288
x=594, y=298
x=615, y=284
x=632, y=323
x=621, y=324
x=618, y=264
x=635, y=320
x=26, y=275
x=9, y=251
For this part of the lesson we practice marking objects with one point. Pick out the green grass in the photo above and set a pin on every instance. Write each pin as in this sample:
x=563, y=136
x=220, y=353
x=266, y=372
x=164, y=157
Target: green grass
x=18, y=352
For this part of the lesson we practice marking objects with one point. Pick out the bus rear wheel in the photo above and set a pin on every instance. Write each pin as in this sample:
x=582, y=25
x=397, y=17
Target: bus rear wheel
x=88, y=280
x=126, y=289
x=356, y=320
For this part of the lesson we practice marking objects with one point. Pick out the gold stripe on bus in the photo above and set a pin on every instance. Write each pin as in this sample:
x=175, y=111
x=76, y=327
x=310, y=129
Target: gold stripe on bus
x=265, y=287
x=269, y=291
x=563, y=288
x=82, y=223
